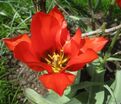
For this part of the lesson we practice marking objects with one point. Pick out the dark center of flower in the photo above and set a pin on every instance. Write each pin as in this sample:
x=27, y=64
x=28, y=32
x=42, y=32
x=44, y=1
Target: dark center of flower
x=57, y=61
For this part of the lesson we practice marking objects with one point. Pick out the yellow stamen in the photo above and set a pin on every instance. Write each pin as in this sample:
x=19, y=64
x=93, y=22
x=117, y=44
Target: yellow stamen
x=50, y=56
x=57, y=61
x=65, y=60
x=48, y=61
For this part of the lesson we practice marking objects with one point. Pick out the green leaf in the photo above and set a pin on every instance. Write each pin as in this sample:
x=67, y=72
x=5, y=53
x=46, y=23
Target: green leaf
x=116, y=89
x=96, y=93
x=49, y=5
x=3, y=13
x=99, y=97
x=83, y=97
x=36, y=98
x=113, y=59
x=55, y=98
x=76, y=82
x=97, y=4
x=111, y=92
x=74, y=101
x=85, y=84
x=74, y=17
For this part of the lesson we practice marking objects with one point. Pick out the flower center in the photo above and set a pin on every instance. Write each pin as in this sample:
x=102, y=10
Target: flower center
x=57, y=61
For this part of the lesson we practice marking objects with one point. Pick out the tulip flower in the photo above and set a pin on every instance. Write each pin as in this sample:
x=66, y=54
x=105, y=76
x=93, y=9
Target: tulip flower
x=51, y=48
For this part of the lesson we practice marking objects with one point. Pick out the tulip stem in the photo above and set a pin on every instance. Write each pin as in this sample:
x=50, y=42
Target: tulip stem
x=108, y=53
x=39, y=5
x=97, y=75
x=98, y=2
x=92, y=14
x=98, y=31
x=77, y=81
x=56, y=2
x=35, y=2
x=42, y=4
x=110, y=13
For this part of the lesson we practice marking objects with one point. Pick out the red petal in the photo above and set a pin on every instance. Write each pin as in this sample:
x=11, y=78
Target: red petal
x=77, y=37
x=119, y=3
x=44, y=29
x=57, y=81
x=76, y=67
x=24, y=53
x=63, y=33
x=71, y=48
x=94, y=43
x=82, y=59
x=11, y=43
x=59, y=16
x=62, y=37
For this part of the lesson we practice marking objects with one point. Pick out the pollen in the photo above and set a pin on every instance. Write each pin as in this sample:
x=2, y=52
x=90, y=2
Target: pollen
x=57, y=61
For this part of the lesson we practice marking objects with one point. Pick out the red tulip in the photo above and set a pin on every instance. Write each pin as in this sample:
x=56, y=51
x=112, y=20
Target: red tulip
x=52, y=49
x=119, y=3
